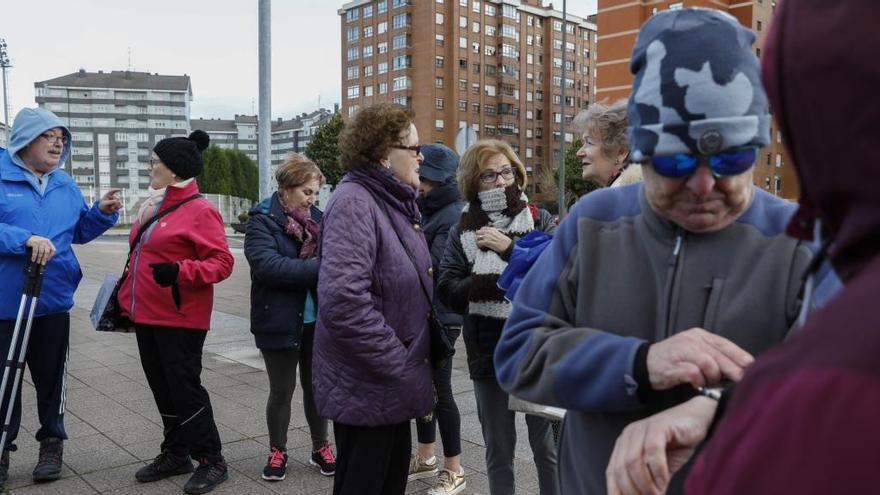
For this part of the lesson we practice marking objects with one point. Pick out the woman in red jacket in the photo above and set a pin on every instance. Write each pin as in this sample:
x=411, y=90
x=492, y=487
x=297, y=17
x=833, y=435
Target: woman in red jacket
x=168, y=294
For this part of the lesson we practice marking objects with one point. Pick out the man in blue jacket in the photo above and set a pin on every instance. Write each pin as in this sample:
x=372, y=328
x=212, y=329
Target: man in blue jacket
x=42, y=212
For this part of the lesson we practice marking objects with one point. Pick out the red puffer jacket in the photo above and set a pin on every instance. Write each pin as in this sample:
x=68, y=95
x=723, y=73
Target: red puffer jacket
x=194, y=237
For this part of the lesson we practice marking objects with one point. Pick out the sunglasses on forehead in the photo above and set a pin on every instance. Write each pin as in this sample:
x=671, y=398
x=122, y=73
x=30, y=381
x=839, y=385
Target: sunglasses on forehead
x=733, y=162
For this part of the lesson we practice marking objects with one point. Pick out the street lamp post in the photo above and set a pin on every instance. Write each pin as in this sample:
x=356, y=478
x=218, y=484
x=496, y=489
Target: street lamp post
x=264, y=121
x=4, y=64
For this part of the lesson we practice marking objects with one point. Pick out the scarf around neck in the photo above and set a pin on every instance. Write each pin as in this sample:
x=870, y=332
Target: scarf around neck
x=504, y=209
x=303, y=228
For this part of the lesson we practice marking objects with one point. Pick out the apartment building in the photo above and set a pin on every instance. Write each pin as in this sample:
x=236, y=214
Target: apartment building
x=494, y=66
x=240, y=133
x=618, y=23
x=116, y=118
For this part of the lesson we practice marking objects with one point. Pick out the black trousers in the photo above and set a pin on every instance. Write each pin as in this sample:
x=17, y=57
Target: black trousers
x=172, y=362
x=46, y=359
x=446, y=413
x=371, y=460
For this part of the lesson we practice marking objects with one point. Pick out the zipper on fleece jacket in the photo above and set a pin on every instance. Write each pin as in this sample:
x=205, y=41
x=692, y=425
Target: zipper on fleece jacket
x=673, y=267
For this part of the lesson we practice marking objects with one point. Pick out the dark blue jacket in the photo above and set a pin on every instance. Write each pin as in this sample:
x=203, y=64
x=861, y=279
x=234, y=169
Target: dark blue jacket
x=279, y=278
x=441, y=209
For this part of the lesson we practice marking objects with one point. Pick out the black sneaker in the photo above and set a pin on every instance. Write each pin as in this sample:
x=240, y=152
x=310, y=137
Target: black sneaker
x=276, y=465
x=324, y=459
x=208, y=475
x=164, y=465
x=49, y=464
x=4, y=468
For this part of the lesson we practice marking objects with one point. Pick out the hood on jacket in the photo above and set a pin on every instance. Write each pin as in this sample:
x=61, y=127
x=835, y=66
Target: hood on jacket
x=29, y=124
x=826, y=105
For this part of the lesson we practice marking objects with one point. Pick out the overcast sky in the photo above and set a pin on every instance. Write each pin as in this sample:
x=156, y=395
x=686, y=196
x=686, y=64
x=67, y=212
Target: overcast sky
x=213, y=41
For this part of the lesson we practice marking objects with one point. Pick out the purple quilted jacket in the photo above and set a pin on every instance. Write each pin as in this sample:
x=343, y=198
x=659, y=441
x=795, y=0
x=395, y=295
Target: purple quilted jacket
x=370, y=364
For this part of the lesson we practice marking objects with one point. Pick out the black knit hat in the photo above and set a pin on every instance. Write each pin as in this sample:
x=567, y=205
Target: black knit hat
x=183, y=155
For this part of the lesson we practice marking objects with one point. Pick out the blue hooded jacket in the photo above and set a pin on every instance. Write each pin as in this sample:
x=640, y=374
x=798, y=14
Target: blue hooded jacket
x=58, y=213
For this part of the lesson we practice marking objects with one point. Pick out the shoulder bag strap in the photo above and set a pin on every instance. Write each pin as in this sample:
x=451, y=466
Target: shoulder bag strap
x=409, y=253
x=143, y=228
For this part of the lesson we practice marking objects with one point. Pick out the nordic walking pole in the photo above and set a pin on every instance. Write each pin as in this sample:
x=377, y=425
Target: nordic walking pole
x=33, y=281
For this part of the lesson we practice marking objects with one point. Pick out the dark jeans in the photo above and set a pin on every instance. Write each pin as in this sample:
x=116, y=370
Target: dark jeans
x=281, y=367
x=445, y=412
x=46, y=358
x=371, y=459
x=499, y=433
x=172, y=362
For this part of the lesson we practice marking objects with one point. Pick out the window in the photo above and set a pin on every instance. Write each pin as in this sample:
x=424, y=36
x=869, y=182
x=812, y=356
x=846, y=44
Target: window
x=569, y=28
x=475, y=67
x=438, y=124
x=353, y=72
x=354, y=92
x=462, y=21
x=401, y=62
x=490, y=30
x=382, y=28
x=383, y=67
x=475, y=47
x=401, y=83
x=509, y=11
x=368, y=90
x=463, y=3
x=368, y=51
x=489, y=109
x=368, y=31
x=475, y=87
x=509, y=31
x=382, y=47
x=475, y=27
x=490, y=90
x=462, y=42
x=400, y=20
x=368, y=70
x=759, y=25
x=569, y=47
x=352, y=34
x=489, y=50
x=438, y=39
x=383, y=88
x=368, y=11
x=476, y=6
x=398, y=3
x=438, y=103
x=353, y=53
x=438, y=61
x=462, y=84
x=382, y=7
x=491, y=10
x=557, y=25
x=475, y=108
x=351, y=15
x=462, y=63
x=462, y=105
x=676, y=5
x=438, y=82
x=438, y=18
x=509, y=51
x=401, y=100
x=399, y=41
x=530, y=58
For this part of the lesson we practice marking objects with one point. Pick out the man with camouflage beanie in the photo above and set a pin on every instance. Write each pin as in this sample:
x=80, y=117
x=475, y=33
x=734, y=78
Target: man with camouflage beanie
x=649, y=294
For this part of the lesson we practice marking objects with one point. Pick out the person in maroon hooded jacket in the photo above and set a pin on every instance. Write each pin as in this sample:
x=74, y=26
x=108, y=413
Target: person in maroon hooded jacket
x=805, y=417
x=169, y=294
x=370, y=368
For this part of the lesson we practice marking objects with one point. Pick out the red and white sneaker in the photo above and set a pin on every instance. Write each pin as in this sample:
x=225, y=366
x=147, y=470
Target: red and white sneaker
x=324, y=459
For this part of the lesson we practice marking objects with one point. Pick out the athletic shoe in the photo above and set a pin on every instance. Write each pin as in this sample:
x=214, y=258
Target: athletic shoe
x=276, y=465
x=448, y=483
x=164, y=465
x=324, y=459
x=421, y=468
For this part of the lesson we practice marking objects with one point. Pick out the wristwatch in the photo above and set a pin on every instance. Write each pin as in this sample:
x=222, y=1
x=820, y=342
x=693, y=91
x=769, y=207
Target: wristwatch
x=710, y=392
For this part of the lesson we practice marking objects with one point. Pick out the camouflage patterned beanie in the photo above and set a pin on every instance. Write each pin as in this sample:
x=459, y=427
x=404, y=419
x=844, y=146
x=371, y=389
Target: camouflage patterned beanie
x=697, y=86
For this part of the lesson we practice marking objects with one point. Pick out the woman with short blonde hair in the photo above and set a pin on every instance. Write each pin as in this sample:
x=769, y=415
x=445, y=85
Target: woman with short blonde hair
x=605, y=150
x=492, y=180
x=281, y=246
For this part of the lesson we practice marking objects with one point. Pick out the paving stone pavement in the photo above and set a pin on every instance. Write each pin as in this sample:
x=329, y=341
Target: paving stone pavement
x=114, y=427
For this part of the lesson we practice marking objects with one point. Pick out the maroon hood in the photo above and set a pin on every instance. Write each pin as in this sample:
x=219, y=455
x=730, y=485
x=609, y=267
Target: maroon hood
x=822, y=75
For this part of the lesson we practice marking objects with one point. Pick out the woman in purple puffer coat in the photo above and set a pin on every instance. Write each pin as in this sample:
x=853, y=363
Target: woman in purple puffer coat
x=371, y=374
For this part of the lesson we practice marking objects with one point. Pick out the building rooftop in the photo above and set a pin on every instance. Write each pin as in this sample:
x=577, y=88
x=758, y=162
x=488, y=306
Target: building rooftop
x=121, y=80
x=213, y=125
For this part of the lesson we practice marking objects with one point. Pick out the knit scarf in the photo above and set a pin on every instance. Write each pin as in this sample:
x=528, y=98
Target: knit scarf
x=307, y=231
x=505, y=209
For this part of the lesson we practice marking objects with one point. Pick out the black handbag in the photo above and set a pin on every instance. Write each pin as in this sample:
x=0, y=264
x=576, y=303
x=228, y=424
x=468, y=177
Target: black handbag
x=442, y=347
x=111, y=319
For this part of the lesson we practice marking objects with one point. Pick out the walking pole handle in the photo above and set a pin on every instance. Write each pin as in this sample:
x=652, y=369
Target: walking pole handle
x=33, y=278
